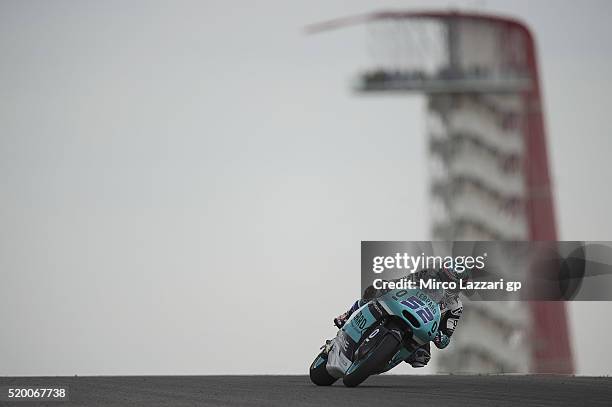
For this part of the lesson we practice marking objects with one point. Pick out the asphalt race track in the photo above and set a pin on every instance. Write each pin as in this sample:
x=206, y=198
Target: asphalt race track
x=388, y=390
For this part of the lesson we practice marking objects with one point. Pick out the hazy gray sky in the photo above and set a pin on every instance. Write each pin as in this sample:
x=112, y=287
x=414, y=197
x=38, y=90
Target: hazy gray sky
x=162, y=162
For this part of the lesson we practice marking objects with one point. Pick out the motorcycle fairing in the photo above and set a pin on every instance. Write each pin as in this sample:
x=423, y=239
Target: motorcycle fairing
x=406, y=304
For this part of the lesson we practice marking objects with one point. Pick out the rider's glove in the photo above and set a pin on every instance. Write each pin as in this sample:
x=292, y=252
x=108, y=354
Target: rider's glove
x=441, y=340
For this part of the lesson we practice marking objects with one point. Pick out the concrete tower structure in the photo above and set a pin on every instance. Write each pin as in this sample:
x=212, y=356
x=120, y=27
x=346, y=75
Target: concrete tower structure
x=489, y=167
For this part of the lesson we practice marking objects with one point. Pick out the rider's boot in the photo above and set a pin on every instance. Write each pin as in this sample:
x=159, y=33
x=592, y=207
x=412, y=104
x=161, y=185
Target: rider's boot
x=420, y=357
x=327, y=347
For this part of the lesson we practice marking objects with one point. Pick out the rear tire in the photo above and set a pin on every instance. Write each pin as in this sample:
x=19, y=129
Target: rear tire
x=318, y=371
x=373, y=362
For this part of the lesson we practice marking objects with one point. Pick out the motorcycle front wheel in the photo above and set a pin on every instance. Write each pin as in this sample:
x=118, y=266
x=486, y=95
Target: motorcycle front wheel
x=318, y=371
x=372, y=362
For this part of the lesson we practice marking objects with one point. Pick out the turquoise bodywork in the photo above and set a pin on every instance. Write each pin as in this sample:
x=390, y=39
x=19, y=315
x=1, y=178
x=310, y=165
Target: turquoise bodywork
x=417, y=303
x=359, y=322
x=415, y=307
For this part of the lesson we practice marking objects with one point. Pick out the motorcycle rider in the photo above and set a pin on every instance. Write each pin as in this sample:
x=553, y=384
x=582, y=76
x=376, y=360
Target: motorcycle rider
x=451, y=308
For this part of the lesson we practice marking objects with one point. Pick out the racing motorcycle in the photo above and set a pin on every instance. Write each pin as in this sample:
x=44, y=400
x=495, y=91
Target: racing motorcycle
x=378, y=336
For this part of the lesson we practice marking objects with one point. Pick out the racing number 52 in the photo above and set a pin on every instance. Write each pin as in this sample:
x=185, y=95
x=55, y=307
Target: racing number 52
x=421, y=310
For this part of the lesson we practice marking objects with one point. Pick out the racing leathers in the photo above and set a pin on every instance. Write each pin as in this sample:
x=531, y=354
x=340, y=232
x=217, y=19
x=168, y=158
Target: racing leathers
x=451, y=308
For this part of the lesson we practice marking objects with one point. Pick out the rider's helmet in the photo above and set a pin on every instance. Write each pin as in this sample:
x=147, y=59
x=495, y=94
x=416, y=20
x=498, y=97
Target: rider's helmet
x=451, y=274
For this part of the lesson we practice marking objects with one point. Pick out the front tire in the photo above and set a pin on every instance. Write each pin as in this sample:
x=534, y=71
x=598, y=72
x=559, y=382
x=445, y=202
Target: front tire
x=318, y=371
x=373, y=362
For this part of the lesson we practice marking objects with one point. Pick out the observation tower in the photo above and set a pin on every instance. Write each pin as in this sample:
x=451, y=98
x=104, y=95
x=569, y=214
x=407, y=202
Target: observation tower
x=489, y=172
